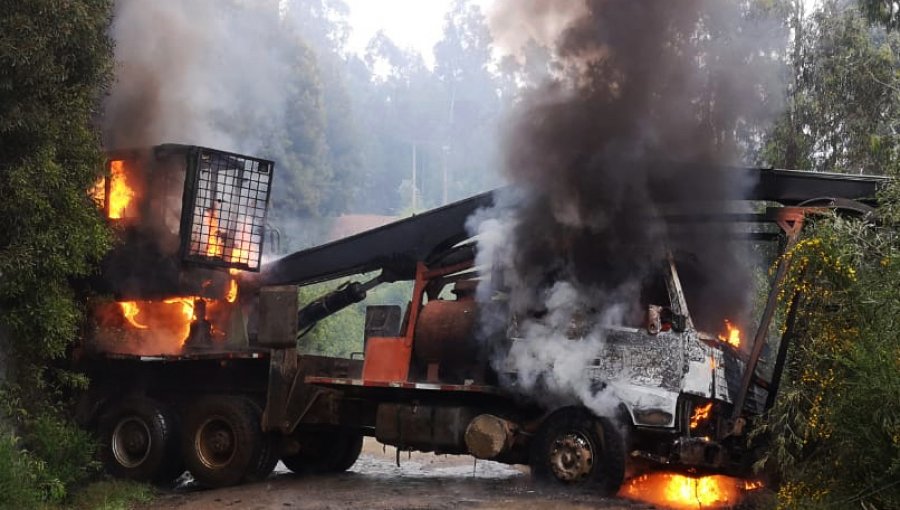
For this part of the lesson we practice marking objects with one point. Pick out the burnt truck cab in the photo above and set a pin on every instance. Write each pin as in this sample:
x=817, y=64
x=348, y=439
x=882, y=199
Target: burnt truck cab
x=668, y=387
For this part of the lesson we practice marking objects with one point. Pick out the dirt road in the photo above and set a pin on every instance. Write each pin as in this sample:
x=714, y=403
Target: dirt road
x=422, y=481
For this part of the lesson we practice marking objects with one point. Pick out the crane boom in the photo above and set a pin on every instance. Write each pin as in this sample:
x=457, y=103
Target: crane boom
x=397, y=247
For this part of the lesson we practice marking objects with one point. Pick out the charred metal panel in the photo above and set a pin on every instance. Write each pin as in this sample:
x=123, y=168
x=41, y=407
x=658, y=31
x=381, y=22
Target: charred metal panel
x=282, y=374
x=277, y=316
x=637, y=357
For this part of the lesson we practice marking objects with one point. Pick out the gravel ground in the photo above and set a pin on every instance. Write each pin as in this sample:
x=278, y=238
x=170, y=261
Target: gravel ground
x=422, y=481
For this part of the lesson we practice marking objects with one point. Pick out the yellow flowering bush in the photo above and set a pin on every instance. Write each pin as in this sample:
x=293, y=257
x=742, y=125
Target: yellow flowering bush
x=835, y=428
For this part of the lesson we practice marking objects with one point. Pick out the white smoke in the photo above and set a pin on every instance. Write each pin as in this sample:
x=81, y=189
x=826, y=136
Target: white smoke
x=202, y=72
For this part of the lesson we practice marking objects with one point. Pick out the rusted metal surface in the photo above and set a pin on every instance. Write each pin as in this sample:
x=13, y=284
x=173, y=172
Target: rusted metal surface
x=425, y=428
x=444, y=332
x=791, y=222
x=282, y=373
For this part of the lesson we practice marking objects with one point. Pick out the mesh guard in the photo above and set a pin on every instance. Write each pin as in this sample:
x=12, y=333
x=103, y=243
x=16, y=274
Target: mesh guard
x=226, y=216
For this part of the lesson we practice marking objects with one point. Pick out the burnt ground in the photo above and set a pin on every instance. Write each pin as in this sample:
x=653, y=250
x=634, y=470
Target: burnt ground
x=422, y=481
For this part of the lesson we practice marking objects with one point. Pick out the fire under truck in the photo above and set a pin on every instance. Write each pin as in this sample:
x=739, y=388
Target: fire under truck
x=193, y=362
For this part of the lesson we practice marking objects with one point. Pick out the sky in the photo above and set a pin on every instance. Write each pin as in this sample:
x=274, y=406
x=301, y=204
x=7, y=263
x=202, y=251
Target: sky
x=412, y=23
x=409, y=23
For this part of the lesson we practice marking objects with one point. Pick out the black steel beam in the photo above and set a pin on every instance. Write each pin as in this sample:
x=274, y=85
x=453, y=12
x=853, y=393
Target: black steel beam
x=792, y=187
x=397, y=247
x=394, y=248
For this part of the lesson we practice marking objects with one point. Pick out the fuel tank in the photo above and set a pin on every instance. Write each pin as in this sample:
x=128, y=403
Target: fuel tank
x=445, y=329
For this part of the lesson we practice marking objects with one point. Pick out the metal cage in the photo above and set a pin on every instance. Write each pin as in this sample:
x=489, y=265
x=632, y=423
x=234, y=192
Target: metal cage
x=226, y=198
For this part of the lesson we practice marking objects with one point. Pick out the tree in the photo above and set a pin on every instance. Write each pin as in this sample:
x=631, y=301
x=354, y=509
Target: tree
x=884, y=12
x=468, y=138
x=55, y=59
x=835, y=428
x=844, y=105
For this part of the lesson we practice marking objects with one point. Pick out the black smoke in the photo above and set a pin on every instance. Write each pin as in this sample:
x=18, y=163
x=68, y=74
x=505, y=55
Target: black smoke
x=648, y=106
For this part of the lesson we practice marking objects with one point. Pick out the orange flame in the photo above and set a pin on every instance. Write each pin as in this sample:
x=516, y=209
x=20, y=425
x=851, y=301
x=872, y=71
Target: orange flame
x=732, y=334
x=164, y=326
x=129, y=310
x=240, y=252
x=232, y=294
x=700, y=414
x=120, y=193
x=187, y=315
x=216, y=245
x=683, y=492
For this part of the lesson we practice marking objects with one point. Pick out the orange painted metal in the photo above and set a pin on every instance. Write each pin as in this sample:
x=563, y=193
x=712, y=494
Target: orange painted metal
x=388, y=358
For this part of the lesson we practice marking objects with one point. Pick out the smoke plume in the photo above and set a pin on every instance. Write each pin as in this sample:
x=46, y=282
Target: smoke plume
x=647, y=105
x=203, y=72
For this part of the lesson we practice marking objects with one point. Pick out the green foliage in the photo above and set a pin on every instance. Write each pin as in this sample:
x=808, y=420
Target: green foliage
x=23, y=483
x=835, y=428
x=844, y=95
x=341, y=335
x=67, y=449
x=884, y=12
x=55, y=59
x=111, y=495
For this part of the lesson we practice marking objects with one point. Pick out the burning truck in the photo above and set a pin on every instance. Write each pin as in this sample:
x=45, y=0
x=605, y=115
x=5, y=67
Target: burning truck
x=194, y=362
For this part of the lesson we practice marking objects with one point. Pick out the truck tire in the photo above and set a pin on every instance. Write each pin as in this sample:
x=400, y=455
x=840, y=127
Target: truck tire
x=139, y=441
x=223, y=442
x=575, y=448
x=268, y=459
x=321, y=453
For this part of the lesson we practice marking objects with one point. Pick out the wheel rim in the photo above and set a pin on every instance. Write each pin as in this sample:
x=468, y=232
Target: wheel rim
x=215, y=442
x=131, y=442
x=571, y=457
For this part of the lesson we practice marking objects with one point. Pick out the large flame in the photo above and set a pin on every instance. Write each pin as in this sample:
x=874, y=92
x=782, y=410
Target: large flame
x=130, y=309
x=160, y=327
x=183, y=326
x=120, y=193
x=700, y=414
x=732, y=334
x=681, y=492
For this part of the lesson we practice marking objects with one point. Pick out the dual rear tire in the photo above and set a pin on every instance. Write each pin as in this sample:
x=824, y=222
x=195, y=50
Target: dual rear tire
x=224, y=445
x=219, y=441
x=140, y=441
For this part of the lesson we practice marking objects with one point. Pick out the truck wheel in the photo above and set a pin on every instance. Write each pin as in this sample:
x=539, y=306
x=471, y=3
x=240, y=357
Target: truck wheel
x=321, y=453
x=268, y=459
x=223, y=442
x=573, y=447
x=139, y=441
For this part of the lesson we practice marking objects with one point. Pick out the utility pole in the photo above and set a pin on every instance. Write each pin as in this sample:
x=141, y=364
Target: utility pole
x=414, y=177
x=444, y=151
